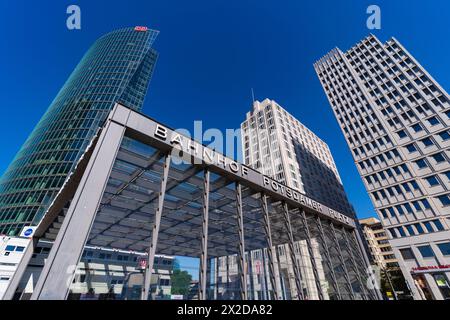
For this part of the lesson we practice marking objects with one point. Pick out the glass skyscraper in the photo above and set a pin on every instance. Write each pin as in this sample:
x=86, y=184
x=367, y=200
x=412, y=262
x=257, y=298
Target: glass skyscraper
x=117, y=68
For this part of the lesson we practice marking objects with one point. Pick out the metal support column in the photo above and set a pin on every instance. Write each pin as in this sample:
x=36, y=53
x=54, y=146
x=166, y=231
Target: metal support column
x=297, y=274
x=311, y=254
x=251, y=273
x=341, y=258
x=60, y=267
x=227, y=284
x=241, y=255
x=334, y=282
x=362, y=253
x=204, y=255
x=216, y=278
x=363, y=257
x=386, y=272
x=155, y=231
x=355, y=266
x=20, y=271
x=209, y=292
x=270, y=248
x=264, y=285
x=280, y=276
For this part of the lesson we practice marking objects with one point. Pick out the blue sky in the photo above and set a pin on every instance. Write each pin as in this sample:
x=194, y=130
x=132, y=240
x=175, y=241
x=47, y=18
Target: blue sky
x=211, y=54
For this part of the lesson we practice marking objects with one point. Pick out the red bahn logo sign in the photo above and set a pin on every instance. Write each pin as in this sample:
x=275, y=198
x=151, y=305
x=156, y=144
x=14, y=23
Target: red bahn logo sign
x=140, y=28
x=445, y=267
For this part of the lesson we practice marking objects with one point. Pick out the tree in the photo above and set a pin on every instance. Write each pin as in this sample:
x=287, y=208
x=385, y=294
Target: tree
x=176, y=265
x=181, y=281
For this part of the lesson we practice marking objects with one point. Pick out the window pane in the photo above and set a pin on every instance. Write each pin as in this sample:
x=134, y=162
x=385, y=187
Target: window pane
x=433, y=121
x=407, y=254
x=432, y=181
x=445, y=248
x=410, y=230
x=426, y=251
x=428, y=226
x=444, y=200
x=419, y=228
x=438, y=157
x=438, y=225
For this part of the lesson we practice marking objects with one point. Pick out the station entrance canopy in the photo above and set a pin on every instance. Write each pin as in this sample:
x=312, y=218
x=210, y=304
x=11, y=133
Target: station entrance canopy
x=143, y=187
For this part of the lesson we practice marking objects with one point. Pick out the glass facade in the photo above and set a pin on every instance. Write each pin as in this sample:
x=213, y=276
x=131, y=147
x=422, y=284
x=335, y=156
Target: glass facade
x=245, y=240
x=117, y=68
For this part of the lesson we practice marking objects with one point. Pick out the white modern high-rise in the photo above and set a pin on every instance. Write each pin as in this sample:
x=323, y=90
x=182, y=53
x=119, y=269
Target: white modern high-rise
x=280, y=146
x=395, y=118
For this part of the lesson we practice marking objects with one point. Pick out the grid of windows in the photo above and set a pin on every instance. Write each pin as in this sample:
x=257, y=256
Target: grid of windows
x=394, y=117
x=117, y=68
x=280, y=146
x=418, y=228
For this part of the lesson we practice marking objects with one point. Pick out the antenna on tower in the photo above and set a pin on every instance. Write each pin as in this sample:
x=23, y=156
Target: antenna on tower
x=253, y=96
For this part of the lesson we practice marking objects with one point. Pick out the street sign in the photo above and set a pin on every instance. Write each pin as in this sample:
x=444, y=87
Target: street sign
x=258, y=267
x=142, y=263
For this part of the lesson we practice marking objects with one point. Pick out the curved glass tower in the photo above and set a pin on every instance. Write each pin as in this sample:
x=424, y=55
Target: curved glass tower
x=117, y=68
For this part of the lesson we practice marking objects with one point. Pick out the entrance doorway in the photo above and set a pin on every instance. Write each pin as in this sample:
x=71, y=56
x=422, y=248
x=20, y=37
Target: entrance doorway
x=423, y=287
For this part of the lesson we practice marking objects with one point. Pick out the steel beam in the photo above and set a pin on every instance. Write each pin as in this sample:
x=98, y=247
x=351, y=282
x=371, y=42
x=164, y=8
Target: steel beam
x=227, y=284
x=59, y=269
x=297, y=274
x=363, y=256
x=265, y=287
x=280, y=275
x=20, y=271
x=204, y=254
x=155, y=230
x=354, y=265
x=251, y=280
x=341, y=258
x=135, y=176
x=270, y=248
x=188, y=174
x=323, y=242
x=241, y=255
x=141, y=129
x=311, y=255
x=216, y=275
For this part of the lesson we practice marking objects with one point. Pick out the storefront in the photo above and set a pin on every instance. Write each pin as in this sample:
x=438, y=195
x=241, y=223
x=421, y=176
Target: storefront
x=437, y=274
